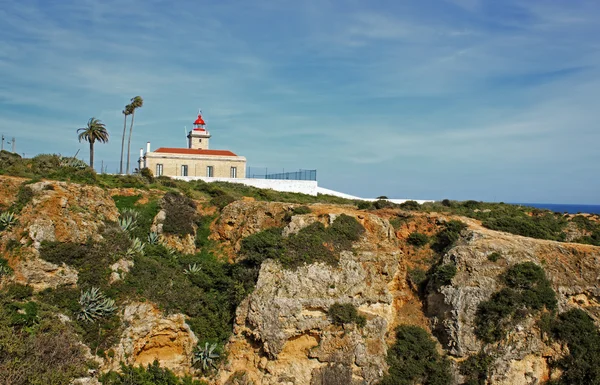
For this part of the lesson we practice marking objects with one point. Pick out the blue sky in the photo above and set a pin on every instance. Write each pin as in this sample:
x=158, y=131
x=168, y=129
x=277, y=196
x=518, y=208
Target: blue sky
x=459, y=99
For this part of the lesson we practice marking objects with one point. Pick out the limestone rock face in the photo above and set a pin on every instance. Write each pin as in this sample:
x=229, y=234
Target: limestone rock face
x=150, y=336
x=242, y=218
x=573, y=269
x=282, y=332
x=58, y=211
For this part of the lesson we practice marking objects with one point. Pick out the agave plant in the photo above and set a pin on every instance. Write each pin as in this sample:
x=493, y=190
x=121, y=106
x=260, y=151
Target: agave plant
x=136, y=248
x=95, y=305
x=127, y=223
x=7, y=219
x=153, y=238
x=72, y=162
x=205, y=357
x=192, y=269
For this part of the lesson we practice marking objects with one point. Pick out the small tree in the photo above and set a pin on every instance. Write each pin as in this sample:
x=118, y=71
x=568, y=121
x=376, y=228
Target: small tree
x=95, y=131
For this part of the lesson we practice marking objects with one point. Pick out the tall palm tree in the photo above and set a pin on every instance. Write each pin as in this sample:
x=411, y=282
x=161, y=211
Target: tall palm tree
x=126, y=112
x=136, y=102
x=95, y=131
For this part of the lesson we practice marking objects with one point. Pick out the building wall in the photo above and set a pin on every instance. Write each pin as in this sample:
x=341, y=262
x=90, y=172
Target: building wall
x=197, y=140
x=197, y=166
x=309, y=187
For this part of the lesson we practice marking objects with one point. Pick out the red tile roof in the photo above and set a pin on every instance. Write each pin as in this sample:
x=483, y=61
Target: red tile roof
x=189, y=151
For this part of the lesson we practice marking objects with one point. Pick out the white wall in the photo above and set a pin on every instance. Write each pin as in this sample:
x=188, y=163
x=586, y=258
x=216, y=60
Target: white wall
x=298, y=186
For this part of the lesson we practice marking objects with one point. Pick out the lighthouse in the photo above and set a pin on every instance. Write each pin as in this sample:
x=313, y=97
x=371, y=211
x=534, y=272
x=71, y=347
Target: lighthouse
x=199, y=135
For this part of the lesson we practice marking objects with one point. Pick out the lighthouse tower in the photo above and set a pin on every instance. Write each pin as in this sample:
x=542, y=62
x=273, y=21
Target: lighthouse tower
x=199, y=136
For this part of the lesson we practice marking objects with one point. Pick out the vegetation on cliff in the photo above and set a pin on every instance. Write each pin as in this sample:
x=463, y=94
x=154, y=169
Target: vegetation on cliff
x=414, y=359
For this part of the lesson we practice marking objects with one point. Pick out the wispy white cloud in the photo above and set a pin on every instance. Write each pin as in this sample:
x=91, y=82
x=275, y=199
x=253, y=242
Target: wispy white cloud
x=461, y=85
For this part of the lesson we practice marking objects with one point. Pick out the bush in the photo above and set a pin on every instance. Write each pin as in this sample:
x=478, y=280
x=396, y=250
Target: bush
x=417, y=239
x=147, y=174
x=221, y=201
x=447, y=237
x=365, y=205
x=344, y=314
x=494, y=257
x=582, y=365
x=151, y=375
x=37, y=348
x=180, y=214
x=301, y=210
x=92, y=260
x=313, y=243
x=24, y=196
x=541, y=226
x=417, y=278
x=476, y=368
x=529, y=290
x=383, y=204
x=441, y=275
x=410, y=205
x=413, y=359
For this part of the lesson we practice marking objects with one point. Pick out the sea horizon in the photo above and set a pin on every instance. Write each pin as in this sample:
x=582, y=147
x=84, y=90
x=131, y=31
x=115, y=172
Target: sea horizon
x=564, y=208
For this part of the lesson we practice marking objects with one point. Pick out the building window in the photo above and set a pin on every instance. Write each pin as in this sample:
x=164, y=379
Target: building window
x=159, y=169
x=233, y=172
x=200, y=140
x=209, y=171
x=184, y=170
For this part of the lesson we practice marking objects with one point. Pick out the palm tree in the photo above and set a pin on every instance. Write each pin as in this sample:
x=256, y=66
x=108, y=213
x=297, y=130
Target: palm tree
x=127, y=111
x=95, y=131
x=136, y=102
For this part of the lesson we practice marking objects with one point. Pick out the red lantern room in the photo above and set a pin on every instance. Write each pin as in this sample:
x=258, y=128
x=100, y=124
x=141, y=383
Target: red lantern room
x=199, y=124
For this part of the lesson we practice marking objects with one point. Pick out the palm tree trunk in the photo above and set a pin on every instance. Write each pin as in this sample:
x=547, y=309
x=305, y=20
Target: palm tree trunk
x=91, y=153
x=129, y=140
x=123, y=144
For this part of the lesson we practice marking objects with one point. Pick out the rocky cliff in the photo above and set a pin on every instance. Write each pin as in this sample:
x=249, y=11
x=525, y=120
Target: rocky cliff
x=282, y=330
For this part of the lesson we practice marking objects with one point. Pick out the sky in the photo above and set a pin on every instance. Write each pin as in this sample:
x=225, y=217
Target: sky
x=433, y=99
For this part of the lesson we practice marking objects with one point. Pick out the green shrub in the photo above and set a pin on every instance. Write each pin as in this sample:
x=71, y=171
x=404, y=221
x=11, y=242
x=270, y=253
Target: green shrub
x=529, y=290
x=541, y=226
x=441, y=275
x=151, y=375
x=313, y=243
x=417, y=278
x=221, y=201
x=36, y=348
x=447, y=237
x=180, y=214
x=24, y=196
x=383, y=204
x=147, y=174
x=17, y=292
x=365, y=205
x=92, y=260
x=414, y=359
x=346, y=313
x=410, y=205
x=301, y=210
x=582, y=365
x=417, y=239
x=203, y=230
x=494, y=256
x=476, y=369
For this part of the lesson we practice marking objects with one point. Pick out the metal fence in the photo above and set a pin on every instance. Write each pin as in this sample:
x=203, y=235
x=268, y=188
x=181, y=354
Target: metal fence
x=263, y=173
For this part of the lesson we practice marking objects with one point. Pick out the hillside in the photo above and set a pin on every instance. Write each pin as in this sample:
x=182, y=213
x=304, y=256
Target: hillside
x=226, y=284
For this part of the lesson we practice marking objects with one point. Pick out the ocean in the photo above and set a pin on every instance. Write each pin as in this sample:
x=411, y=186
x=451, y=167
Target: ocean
x=560, y=208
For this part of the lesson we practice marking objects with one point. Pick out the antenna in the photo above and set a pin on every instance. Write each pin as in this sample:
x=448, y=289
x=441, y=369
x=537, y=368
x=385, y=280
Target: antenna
x=2, y=148
x=14, y=144
x=185, y=133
